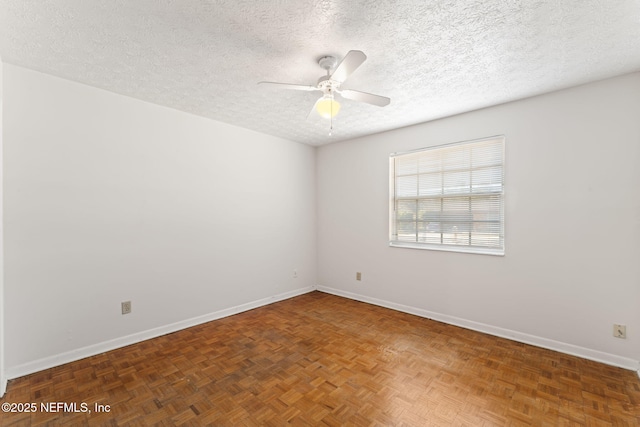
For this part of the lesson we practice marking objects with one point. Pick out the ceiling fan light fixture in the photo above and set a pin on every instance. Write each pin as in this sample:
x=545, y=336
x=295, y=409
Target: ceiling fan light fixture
x=327, y=106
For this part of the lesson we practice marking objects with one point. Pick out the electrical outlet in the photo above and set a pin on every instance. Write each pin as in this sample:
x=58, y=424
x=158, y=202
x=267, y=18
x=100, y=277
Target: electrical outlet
x=126, y=307
x=620, y=331
x=358, y=276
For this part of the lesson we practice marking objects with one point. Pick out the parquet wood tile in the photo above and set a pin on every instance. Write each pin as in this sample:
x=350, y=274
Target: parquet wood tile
x=319, y=359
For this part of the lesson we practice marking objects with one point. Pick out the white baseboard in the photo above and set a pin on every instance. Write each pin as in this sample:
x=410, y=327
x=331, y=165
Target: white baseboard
x=3, y=386
x=92, y=350
x=585, y=353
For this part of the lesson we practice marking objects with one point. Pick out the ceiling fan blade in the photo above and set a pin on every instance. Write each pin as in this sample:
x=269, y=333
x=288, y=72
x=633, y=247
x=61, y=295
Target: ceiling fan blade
x=352, y=60
x=289, y=86
x=369, y=98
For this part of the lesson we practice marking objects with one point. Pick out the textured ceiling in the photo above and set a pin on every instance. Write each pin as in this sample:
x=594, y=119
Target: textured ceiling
x=432, y=58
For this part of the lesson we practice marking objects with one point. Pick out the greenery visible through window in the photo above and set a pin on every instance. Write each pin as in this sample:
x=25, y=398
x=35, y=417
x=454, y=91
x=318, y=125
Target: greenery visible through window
x=449, y=197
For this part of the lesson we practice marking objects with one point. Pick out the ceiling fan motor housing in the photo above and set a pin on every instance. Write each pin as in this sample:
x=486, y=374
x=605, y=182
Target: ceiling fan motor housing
x=326, y=85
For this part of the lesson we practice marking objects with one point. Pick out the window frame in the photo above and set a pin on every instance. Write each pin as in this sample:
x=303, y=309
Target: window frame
x=463, y=248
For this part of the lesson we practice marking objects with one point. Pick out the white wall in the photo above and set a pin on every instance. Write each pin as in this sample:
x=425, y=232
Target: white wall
x=572, y=266
x=3, y=379
x=108, y=199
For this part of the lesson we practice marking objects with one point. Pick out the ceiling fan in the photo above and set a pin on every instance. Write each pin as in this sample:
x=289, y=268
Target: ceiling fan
x=329, y=85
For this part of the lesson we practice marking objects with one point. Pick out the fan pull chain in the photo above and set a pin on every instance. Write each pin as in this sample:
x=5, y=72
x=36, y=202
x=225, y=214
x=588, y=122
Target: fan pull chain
x=331, y=120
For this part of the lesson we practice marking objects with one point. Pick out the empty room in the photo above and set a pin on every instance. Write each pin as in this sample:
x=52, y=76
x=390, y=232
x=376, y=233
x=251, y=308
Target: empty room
x=367, y=213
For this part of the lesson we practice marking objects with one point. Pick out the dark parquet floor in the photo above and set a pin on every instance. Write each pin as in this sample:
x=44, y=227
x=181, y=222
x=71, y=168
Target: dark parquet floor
x=318, y=359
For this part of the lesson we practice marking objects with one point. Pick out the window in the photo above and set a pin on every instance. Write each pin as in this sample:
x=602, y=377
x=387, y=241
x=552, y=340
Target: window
x=449, y=197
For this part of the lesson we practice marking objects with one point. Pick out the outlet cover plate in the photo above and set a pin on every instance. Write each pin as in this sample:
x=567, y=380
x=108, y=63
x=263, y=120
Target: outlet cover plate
x=620, y=331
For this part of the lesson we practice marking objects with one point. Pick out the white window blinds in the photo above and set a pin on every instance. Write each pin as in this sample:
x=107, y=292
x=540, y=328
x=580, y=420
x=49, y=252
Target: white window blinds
x=449, y=197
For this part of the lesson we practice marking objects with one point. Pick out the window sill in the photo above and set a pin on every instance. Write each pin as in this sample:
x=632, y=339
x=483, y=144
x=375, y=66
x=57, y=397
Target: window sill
x=447, y=248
